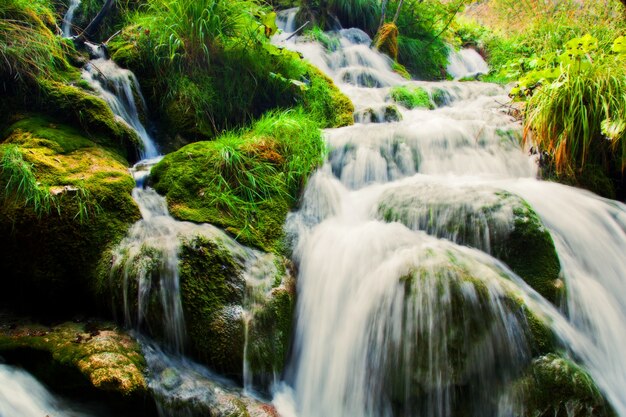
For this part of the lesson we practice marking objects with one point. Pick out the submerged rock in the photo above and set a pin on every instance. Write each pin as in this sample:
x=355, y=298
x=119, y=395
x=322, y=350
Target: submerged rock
x=556, y=386
x=385, y=114
x=488, y=219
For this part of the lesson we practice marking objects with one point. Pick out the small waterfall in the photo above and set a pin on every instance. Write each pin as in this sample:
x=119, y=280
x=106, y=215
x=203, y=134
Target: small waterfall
x=377, y=299
x=22, y=395
x=69, y=17
x=120, y=89
x=590, y=236
x=466, y=63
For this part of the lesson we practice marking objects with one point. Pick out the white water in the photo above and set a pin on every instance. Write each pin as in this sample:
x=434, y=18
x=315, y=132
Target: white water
x=69, y=17
x=360, y=323
x=21, y=395
x=119, y=88
x=466, y=63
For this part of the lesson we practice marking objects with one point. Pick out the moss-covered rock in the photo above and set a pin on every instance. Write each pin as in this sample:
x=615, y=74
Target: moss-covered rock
x=269, y=334
x=107, y=358
x=185, y=97
x=412, y=97
x=324, y=99
x=556, y=386
x=494, y=221
x=246, y=182
x=386, y=40
x=66, y=200
x=230, y=295
x=465, y=331
x=76, y=106
x=212, y=292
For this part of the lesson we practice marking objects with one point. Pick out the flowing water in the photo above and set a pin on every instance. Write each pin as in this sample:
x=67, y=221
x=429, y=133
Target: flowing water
x=21, y=395
x=69, y=17
x=148, y=260
x=376, y=298
x=120, y=89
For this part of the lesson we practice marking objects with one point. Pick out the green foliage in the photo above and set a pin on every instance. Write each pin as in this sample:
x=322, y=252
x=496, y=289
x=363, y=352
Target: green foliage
x=21, y=183
x=29, y=49
x=247, y=181
x=576, y=110
x=364, y=14
x=226, y=52
x=328, y=39
x=412, y=97
x=422, y=58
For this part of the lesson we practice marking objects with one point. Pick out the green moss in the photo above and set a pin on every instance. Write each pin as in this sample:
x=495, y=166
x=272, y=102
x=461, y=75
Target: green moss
x=51, y=258
x=556, y=386
x=211, y=286
x=412, y=97
x=93, y=115
x=529, y=251
x=245, y=182
x=325, y=102
x=107, y=358
x=269, y=335
x=499, y=223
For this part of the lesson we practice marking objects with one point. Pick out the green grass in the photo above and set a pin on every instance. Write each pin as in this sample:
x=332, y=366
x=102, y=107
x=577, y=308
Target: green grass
x=29, y=49
x=244, y=181
x=20, y=182
x=412, y=97
x=571, y=118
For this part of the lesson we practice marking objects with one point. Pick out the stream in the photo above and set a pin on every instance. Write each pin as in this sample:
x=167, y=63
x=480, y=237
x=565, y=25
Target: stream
x=379, y=294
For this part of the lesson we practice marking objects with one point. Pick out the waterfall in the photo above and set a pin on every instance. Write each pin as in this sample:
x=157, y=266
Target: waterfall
x=120, y=89
x=385, y=308
x=69, y=17
x=466, y=63
x=22, y=395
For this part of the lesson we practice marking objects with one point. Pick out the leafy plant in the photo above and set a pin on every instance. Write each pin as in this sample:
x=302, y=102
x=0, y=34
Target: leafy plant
x=576, y=110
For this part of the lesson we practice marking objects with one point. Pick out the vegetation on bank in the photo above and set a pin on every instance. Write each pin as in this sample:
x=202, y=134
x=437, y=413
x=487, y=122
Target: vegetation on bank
x=208, y=66
x=569, y=66
x=246, y=181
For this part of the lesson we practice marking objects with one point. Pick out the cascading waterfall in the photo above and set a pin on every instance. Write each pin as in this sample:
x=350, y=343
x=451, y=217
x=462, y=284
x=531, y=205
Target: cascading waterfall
x=120, y=89
x=69, y=17
x=147, y=258
x=385, y=313
x=22, y=395
x=466, y=63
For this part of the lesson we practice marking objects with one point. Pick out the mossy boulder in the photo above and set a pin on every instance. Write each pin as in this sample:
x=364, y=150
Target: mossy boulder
x=212, y=292
x=75, y=106
x=66, y=200
x=233, y=299
x=556, y=386
x=99, y=354
x=244, y=182
x=217, y=301
x=198, y=102
x=465, y=331
x=412, y=97
x=488, y=219
x=324, y=99
x=386, y=40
